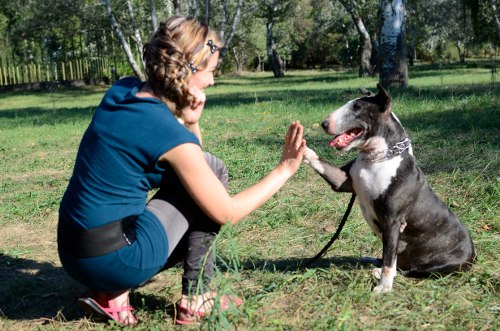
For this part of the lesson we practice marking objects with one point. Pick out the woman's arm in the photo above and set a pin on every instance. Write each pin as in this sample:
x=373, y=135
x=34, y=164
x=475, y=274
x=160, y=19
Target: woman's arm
x=209, y=193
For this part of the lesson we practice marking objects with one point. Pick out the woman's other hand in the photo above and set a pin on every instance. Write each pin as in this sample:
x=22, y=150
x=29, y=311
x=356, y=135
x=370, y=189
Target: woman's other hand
x=192, y=114
x=294, y=148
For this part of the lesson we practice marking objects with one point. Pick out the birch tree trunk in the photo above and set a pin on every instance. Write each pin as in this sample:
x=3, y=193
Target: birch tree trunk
x=394, y=67
x=137, y=38
x=232, y=30
x=123, y=41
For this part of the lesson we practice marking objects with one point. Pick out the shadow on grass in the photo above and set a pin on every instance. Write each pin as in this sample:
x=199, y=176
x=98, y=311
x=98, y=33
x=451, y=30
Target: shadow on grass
x=32, y=290
x=74, y=92
x=36, y=290
x=296, y=95
x=298, y=264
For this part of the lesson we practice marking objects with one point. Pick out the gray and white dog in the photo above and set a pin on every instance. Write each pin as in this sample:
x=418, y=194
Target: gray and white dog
x=420, y=235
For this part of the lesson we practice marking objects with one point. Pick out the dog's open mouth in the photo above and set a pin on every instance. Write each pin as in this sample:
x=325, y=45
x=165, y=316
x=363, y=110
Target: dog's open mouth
x=344, y=139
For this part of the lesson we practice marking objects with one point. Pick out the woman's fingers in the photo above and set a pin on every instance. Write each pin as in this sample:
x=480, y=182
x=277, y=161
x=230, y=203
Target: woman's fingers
x=295, y=144
x=196, y=96
x=291, y=135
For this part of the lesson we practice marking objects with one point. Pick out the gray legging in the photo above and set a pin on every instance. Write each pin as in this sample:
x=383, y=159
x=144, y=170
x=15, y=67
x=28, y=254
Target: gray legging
x=190, y=231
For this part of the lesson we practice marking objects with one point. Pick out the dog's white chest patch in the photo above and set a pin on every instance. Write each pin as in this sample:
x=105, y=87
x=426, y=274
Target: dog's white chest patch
x=370, y=180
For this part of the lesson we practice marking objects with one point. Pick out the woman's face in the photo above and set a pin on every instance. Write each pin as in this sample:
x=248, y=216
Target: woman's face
x=205, y=78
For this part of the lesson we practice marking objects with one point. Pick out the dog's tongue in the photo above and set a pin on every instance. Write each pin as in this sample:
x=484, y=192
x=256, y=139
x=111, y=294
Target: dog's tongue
x=344, y=139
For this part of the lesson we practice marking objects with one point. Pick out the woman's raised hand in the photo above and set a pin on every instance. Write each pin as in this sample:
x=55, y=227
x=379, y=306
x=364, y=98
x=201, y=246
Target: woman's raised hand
x=294, y=148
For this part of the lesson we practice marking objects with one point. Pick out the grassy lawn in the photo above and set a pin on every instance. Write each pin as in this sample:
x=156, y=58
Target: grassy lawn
x=452, y=116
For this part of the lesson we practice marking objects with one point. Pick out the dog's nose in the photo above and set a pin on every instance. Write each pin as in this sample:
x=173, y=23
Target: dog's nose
x=324, y=125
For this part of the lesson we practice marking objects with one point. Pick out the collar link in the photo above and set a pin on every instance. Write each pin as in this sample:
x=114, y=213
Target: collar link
x=389, y=153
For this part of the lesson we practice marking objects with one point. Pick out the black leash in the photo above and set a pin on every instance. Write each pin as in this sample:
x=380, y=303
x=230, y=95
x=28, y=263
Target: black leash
x=337, y=233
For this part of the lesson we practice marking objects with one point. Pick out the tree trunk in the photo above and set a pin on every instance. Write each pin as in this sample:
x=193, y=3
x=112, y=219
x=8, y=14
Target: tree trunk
x=154, y=20
x=461, y=52
x=394, y=67
x=272, y=55
x=207, y=12
x=232, y=31
x=411, y=50
x=123, y=42
x=375, y=57
x=365, y=51
x=177, y=7
x=493, y=8
x=137, y=38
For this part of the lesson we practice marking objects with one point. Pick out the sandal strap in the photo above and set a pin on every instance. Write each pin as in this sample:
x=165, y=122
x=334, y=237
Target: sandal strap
x=192, y=312
x=112, y=310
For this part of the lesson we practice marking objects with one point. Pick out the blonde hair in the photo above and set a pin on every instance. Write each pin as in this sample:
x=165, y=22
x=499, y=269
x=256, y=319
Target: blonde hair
x=179, y=41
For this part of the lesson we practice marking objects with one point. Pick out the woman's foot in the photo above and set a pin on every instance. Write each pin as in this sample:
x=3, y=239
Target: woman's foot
x=191, y=309
x=113, y=305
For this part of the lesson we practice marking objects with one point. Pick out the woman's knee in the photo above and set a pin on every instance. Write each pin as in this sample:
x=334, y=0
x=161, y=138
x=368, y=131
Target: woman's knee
x=219, y=168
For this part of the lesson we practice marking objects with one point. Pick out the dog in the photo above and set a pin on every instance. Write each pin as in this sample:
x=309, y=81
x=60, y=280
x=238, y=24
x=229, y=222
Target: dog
x=420, y=235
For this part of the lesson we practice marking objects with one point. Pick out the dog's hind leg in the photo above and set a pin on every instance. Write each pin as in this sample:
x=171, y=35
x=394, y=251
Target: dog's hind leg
x=445, y=268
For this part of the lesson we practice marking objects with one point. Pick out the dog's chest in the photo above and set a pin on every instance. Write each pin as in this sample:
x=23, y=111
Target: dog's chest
x=370, y=180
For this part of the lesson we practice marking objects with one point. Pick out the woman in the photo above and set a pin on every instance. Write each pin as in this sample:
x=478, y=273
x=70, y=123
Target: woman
x=109, y=238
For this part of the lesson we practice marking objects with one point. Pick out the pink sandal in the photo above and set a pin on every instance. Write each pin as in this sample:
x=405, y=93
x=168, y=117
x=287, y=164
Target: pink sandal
x=98, y=312
x=186, y=316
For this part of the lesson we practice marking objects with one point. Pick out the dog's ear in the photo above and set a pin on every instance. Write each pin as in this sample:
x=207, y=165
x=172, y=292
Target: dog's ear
x=367, y=92
x=384, y=99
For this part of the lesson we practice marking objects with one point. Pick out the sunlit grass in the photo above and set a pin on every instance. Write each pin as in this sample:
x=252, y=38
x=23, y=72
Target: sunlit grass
x=451, y=115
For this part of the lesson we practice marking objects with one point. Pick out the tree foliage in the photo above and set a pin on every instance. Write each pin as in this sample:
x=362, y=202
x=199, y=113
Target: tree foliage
x=289, y=33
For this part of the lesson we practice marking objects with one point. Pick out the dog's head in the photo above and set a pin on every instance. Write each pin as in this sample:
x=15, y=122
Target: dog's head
x=357, y=120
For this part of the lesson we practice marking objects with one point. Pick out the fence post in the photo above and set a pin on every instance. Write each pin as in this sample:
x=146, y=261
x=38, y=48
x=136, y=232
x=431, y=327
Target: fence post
x=71, y=77
x=18, y=75
x=63, y=71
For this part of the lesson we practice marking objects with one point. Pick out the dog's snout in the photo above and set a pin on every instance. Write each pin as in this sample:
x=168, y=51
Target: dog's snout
x=324, y=125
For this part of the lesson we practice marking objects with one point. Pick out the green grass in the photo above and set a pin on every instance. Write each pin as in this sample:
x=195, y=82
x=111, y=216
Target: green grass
x=452, y=116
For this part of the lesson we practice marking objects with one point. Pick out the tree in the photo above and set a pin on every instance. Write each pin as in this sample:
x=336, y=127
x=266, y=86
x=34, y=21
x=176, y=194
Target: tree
x=393, y=68
x=123, y=41
x=154, y=20
x=274, y=11
x=231, y=23
x=367, y=54
x=494, y=15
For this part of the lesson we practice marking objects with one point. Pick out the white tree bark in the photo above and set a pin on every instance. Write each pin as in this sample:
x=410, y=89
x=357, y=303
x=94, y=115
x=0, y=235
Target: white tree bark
x=394, y=67
x=123, y=41
x=137, y=33
x=154, y=20
x=233, y=28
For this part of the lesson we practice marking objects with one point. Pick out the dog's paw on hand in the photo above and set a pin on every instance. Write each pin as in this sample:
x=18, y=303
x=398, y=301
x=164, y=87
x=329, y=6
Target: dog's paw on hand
x=309, y=156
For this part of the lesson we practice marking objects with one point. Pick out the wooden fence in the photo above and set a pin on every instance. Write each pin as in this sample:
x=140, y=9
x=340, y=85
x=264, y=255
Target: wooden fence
x=86, y=69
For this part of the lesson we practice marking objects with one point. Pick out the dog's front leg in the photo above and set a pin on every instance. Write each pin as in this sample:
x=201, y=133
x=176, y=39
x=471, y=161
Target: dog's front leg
x=338, y=178
x=390, y=239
